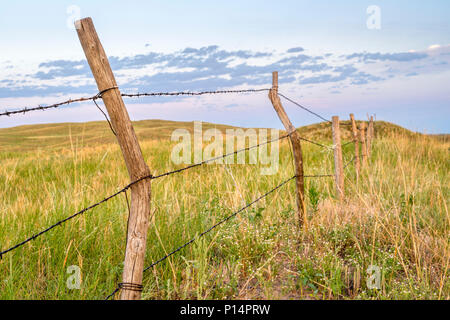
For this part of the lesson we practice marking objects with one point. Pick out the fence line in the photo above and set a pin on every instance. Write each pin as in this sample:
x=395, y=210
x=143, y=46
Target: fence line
x=131, y=286
x=190, y=93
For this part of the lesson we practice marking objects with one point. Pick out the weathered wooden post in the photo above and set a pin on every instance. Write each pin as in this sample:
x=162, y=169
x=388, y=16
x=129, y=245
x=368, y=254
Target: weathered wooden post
x=296, y=147
x=138, y=220
x=370, y=137
x=356, y=141
x=362, y=137
x=338, y=165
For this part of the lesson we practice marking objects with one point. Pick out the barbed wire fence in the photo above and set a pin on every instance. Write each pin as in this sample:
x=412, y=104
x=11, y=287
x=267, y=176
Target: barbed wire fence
x=135, y=287
x=87, y=39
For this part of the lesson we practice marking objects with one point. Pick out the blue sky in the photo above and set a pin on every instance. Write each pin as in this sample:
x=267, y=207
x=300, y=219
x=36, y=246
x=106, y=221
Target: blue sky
x=327, y=57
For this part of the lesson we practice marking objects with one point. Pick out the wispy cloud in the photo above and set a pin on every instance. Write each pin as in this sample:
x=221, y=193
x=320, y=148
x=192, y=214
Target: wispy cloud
x=398, y=57
x=211, y=68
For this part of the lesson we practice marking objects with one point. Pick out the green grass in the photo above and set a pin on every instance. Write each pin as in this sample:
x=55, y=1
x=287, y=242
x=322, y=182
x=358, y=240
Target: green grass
x=396, y=217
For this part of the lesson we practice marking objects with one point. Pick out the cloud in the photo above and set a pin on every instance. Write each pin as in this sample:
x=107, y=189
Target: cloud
x=434, y=46
x=342, y=73
x=295, y=50
x=62, y=68
x=205, y=68
x=398, y=57
x=212, y=68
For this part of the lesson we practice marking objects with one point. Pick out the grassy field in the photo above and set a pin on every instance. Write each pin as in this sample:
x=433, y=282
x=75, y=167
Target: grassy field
x=396, y=218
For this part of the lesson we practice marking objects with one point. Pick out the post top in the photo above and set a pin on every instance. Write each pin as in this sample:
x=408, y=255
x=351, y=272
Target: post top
x=78, y=23
x=275, y=80
x=84, y=19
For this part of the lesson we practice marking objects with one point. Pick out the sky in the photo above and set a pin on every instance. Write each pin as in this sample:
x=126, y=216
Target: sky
x=387, y=58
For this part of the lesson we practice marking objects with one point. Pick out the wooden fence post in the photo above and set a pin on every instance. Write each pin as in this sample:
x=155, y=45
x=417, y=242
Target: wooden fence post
x=362, y=137
x=338, y=165
x=356, y=141
x=138, y=220
x=296, y=147
x=370, y=137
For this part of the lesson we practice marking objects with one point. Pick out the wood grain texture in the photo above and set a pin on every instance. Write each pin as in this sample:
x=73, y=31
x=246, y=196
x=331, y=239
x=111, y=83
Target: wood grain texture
x=362, y=137
x=338, y=165
x=296, y=149
x=138, y=221
x=356, y=141
x=370, y=137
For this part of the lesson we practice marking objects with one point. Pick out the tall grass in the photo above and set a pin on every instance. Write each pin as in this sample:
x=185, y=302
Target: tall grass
x=396, y=217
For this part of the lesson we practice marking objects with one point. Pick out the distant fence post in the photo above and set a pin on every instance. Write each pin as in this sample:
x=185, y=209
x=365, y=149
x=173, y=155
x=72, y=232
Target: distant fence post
x=356, y=141
x=338, y=165
x=296, y=147
x=138, y=220
x=362, y=137
x=370, y=137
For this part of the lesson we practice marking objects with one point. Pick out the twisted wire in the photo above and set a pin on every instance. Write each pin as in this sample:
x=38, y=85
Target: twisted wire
x=129, y=95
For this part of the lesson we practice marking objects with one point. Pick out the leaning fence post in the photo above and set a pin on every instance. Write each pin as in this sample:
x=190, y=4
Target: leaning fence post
x=338, y=165
x=362, y=137
x=356, y=142
x=296, y=147
x=138, y=220
x=370, y=137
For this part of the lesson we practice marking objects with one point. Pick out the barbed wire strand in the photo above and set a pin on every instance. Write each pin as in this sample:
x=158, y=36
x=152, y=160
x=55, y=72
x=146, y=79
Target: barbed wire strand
x=303, y=107
x=349, y=162
x=129, y=95
x=353, y=159
x=40, y=107
x=317, y=143
x=62, y=221
x=100, y=95
x=106, y=117
x=347, y=143
x=319, y=176
x=310, y=111
x=190, y=93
